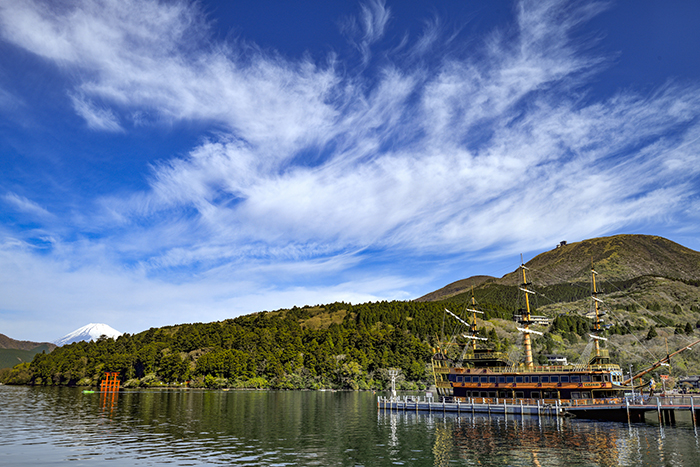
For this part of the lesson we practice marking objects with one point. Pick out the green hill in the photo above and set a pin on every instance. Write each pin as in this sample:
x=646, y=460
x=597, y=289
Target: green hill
x=13, y=352
x=12, y=357
x=645, y=282
x=617, y=258
x=649, y=287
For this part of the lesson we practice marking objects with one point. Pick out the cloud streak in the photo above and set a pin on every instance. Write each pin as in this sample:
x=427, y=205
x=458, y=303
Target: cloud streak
x=312, y=168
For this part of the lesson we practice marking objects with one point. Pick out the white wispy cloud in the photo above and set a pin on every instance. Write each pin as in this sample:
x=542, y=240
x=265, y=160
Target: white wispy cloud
x=312, y=166
x=369, y=28
x=95, y=117
x=27, y=206
x=414, y=159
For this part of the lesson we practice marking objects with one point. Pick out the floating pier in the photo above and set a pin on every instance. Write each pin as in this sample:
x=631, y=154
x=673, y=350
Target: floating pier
x=621, y=410
x=471, y=405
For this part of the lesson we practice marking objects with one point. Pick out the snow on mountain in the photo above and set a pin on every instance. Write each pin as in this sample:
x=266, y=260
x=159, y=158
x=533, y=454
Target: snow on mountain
x=88, y=332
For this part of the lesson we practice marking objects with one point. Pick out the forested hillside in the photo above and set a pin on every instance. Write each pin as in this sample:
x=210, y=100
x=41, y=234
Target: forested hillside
x=335, y=346
x=347, y=346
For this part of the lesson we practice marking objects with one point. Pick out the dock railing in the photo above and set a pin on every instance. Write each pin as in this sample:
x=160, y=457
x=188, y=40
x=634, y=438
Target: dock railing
x=637, y=400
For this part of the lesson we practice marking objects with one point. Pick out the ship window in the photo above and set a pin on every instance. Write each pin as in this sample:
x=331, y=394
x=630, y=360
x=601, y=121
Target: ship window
x=535, y=395
x=535, y=379
x=519, y=394
x=598, y=378
x=554, y=379
x=467, y=379
x=564, y=379
x=546, y=395
x=545, y=379
x=518, y=379
x=575, y=395
x=606, y=377
x=492, y=394
x=509, y=379
x=460, y=379
x=586, y=378
x=501, y=379
x=492, y=379
x=575, y=379
x=527, y=379
x=484, y=394
x=484, y=379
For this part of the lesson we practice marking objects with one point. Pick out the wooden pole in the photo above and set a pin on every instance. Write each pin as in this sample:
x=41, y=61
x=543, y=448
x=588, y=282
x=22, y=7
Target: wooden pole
x=692, y=410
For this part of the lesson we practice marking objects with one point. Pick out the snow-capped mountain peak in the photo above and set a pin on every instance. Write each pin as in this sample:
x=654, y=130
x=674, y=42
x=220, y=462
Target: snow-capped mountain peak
x=88, y=332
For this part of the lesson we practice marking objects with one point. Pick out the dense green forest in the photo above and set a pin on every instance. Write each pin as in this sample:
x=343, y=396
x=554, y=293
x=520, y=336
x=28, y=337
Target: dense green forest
x=339, y=345
x=286, y=349
x=344, y=346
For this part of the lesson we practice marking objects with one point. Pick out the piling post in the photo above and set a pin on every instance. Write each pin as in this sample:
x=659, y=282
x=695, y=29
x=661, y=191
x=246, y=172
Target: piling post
x=627, y=403
x=692, y=410
x=538, y=408
x=658, y=409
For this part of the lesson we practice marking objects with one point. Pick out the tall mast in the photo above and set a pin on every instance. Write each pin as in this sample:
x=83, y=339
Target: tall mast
x=596, y=325
x=473, y=326
x=526, y=320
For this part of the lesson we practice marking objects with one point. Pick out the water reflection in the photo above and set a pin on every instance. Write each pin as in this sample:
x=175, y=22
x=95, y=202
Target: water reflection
x=45, y=426
x=108, y=401
x=480, y=439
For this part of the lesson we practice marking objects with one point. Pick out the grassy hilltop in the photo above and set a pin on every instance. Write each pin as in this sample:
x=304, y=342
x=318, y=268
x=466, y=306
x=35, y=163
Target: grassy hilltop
x=649, y=285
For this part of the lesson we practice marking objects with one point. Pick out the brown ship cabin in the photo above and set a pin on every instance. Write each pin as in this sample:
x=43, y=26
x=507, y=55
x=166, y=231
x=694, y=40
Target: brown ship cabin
x=539, y=383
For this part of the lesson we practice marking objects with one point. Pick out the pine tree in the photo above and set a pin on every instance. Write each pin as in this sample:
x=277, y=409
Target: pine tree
x=652, y=333
x=688, y=328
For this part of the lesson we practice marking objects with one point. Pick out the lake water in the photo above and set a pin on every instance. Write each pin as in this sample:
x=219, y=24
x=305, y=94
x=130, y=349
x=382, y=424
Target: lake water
x=63, y=426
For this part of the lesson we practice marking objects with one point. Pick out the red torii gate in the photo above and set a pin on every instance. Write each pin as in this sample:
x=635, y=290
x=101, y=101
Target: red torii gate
x=111, y=382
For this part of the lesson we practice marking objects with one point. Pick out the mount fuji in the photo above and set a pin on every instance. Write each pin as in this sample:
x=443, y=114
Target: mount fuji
x=88, y=332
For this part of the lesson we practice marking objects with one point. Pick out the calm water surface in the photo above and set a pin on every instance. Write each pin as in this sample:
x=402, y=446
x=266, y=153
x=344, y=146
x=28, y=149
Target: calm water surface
x=63, y=426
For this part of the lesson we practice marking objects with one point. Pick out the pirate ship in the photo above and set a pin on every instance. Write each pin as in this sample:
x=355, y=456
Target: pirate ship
x=485, y=373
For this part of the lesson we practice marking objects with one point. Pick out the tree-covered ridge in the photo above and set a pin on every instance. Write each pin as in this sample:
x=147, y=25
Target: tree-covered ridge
x=268, y=349
x=352, y=346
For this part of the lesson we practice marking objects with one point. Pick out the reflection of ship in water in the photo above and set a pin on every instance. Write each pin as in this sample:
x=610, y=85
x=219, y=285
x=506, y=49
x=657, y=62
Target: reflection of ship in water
x=497, y=440
x=489, y=375
x=524, y=441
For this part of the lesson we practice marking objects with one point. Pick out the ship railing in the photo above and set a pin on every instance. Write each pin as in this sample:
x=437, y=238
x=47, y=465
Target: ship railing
x=546, y=368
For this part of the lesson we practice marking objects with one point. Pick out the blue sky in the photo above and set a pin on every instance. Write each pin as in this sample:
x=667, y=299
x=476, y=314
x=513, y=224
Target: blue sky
x=170, y=162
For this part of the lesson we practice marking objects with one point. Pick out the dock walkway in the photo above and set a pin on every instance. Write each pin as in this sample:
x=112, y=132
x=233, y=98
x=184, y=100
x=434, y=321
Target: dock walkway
x=629, y=410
